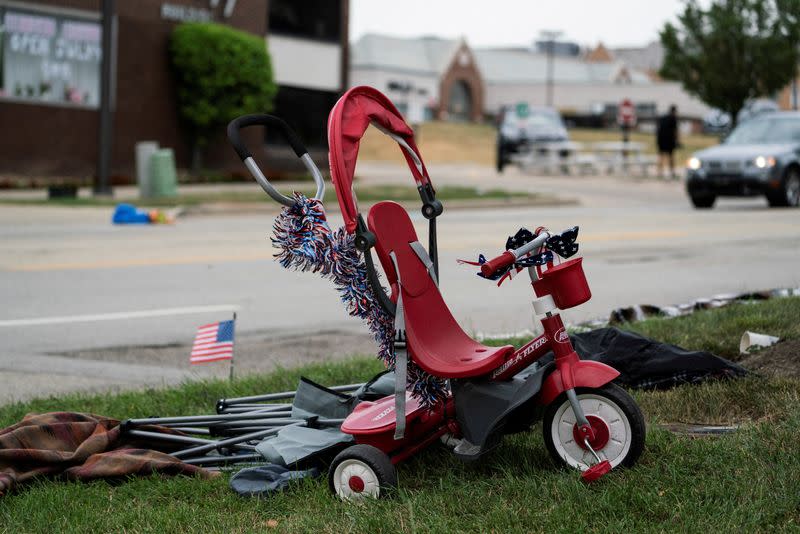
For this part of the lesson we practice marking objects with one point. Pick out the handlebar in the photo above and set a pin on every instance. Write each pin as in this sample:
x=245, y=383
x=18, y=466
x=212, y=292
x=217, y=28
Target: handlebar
x=495, y=264
x=234, y=128
x=510, y=256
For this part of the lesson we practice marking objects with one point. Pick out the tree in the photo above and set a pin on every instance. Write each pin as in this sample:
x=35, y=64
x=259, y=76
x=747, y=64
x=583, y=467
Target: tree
x=733, y=51
x=221, y=74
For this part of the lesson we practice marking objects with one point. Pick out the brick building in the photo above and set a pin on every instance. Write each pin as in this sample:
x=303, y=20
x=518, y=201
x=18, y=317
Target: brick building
x=426, y=78
x=51, y=57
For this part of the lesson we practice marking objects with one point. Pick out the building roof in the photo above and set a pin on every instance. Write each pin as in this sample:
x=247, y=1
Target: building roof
x=506, y=65
x=423, y=55
x=431, y=56
x=600, y=54
x=647, y=58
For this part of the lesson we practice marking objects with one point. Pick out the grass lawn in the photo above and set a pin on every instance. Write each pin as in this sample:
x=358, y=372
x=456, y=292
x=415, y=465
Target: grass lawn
x=746, y=481
x=443, y=142
x=365, y=193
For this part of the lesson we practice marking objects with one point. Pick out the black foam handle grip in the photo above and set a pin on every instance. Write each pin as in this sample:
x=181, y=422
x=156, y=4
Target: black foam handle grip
x=244, y=121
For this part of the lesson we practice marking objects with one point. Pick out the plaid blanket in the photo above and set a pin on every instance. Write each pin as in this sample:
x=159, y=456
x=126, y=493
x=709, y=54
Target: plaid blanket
x=79, y=447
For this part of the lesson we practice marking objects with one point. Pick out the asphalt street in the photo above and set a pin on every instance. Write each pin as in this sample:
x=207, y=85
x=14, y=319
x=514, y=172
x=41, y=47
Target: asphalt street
x=87, y=305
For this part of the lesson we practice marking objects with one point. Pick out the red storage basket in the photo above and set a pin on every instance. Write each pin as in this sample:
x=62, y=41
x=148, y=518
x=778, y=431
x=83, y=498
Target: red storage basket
x=566, y=283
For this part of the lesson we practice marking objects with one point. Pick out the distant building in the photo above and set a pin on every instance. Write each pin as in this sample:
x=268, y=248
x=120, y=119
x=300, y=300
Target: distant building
x=594, y=83
x=308, y=43
x=648, y=58
x=789, y=97
x=449, y=80
x=50, y=76
x=425, y=77
x=559, y=48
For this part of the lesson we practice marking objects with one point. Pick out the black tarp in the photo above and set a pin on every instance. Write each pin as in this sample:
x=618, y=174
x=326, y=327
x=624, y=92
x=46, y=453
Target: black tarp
x=647, y=364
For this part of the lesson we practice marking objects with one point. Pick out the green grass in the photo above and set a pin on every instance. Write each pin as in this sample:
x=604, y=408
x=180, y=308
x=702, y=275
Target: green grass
x=369, y=193
x=448, y=142
x=719, y=331
x=743, y=482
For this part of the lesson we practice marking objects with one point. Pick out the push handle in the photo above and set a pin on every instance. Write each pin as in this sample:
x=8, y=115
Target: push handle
x=495, y=264
x=234, y=131
x=261, y=119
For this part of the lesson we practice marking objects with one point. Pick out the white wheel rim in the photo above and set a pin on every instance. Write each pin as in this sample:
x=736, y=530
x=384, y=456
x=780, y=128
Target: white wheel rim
x=355, y=468
x=619, y=432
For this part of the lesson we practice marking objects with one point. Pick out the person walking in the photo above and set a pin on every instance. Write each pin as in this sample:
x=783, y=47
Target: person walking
x=667, y=140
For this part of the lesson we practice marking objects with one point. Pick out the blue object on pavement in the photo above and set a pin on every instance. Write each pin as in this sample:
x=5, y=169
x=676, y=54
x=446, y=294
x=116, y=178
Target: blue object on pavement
x=130, y=214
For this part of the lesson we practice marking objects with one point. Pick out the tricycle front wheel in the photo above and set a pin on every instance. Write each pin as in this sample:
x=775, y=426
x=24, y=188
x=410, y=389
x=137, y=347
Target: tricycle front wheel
x=614, y=416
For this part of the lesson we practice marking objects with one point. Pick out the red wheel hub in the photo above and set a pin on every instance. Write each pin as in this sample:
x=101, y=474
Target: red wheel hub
x=356, y=484
x=601, y=433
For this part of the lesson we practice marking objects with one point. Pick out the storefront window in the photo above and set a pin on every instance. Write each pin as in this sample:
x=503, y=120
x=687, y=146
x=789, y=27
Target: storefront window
x=50, y=58
x=302, y=109
x=310, y=19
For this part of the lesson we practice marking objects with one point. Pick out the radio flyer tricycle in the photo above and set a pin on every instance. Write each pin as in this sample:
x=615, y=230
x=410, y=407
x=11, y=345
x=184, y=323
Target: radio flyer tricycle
x=588, y=422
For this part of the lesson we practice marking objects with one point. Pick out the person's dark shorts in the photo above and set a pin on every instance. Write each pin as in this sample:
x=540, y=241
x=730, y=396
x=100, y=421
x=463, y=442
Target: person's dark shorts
x=666, y=148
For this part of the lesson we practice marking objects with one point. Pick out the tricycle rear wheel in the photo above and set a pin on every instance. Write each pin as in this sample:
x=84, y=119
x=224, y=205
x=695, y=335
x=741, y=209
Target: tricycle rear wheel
x=362, y=471
x=618, y=422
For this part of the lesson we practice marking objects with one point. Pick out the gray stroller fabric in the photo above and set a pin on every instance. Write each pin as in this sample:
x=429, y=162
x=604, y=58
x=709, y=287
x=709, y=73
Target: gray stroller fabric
x=313, y=399
x=265, y=480
x=296, y=444
x=380, y=386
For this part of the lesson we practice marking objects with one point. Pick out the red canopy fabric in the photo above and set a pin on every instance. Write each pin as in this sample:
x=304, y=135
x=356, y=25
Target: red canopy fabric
x=353, y=113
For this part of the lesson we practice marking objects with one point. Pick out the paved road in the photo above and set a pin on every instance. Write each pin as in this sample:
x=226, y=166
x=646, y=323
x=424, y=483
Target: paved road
x=89, y=305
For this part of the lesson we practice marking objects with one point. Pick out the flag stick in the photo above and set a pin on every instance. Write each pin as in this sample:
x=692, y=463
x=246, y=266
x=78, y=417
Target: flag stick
x=233, y=348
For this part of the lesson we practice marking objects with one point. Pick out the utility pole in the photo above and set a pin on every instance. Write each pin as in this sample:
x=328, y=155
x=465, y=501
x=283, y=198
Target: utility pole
x=102, y=185
x=549, y=37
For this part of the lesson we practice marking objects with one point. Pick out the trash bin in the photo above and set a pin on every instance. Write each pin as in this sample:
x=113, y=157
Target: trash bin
x=144, y=150
x=163, y=178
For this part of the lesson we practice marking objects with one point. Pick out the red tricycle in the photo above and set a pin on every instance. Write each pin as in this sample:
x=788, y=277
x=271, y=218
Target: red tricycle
x=588, y=422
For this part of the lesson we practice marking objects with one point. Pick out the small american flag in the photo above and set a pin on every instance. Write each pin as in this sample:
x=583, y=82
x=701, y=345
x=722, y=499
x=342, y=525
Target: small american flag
x=213, y=342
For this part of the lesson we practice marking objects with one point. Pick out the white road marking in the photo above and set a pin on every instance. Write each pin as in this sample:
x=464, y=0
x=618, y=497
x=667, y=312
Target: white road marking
x=117, y=316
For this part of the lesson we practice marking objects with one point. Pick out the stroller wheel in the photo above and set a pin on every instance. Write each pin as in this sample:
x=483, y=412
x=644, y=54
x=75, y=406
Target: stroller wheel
x=362, y=471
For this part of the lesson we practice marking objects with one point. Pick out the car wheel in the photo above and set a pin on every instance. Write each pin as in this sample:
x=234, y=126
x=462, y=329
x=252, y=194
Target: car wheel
x=501, y=158
x=788, y=194
x=703, y=201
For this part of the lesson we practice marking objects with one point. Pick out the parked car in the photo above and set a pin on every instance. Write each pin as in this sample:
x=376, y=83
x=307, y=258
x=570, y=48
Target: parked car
x=520, y=128
x=754, y=108
x=760, y=157
x=718, y=122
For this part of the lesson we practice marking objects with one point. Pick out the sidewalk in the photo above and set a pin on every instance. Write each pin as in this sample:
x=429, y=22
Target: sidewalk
x=587, y=190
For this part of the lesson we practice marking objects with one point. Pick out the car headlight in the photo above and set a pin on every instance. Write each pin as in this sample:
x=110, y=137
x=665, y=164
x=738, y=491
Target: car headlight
x=764, y=162
x=694, y=163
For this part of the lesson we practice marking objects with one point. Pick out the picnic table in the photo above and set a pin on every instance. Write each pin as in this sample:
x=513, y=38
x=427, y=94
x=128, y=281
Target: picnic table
x=570, y=157
x=622, y=156
x=548, y=156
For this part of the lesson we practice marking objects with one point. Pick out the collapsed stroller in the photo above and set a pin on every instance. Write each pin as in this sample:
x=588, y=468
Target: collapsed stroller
x=449, y=387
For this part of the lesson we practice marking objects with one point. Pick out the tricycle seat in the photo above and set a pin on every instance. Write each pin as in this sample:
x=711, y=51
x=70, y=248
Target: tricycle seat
x=435, y=340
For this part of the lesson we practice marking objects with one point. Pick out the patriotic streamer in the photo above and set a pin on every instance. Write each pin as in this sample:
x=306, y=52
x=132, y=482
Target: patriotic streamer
x=307, y=243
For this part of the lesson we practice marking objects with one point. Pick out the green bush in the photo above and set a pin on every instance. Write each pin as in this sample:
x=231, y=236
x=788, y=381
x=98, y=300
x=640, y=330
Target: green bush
x=221, y=74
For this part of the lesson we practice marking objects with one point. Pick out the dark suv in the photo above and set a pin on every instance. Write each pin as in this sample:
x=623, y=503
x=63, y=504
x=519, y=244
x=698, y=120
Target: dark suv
x=759, y=157
x=520, y=128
